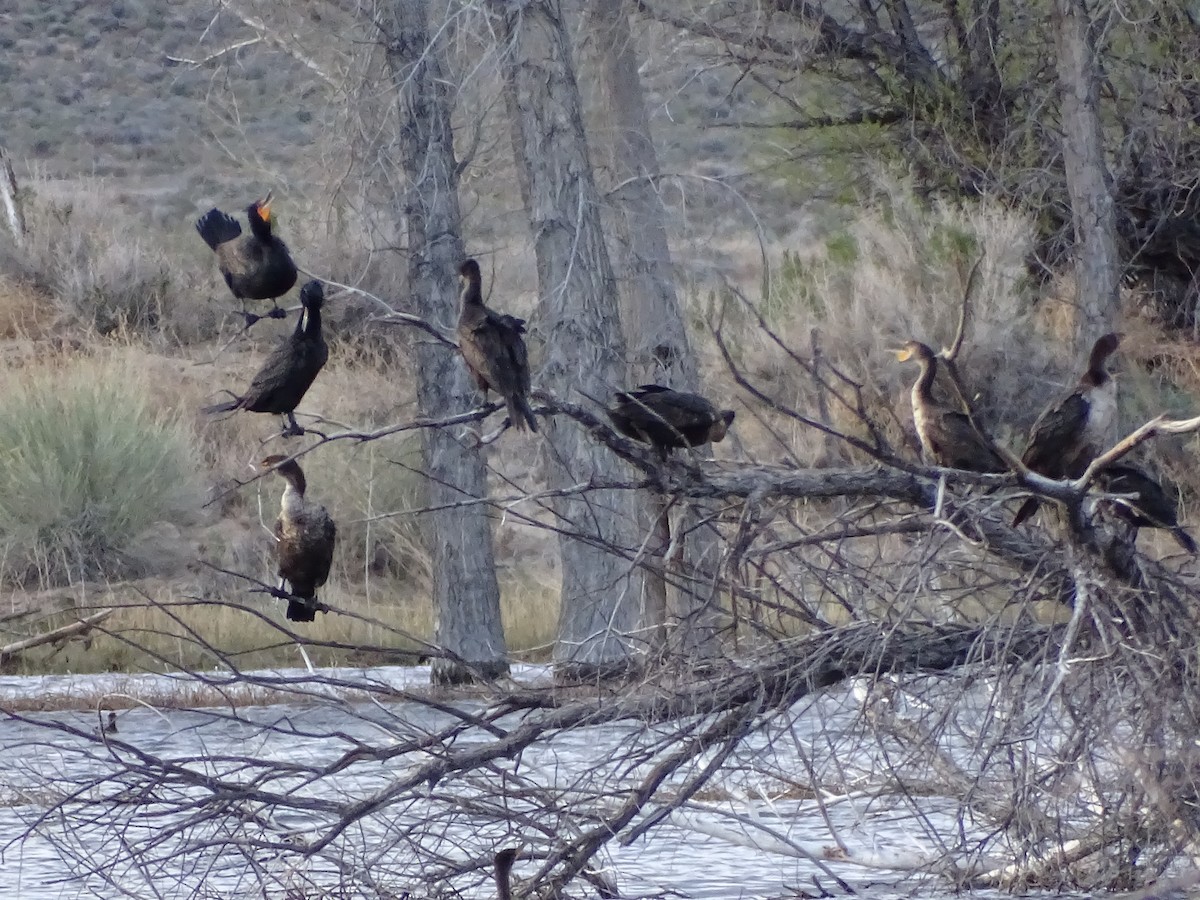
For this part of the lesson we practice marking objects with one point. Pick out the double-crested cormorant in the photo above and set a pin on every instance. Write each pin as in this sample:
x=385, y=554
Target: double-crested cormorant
x=503, y=863
x=494, y=350
x=305, y=536
x=1149, y=504
x=1073, y=429
x=947, y=437
x=668, y=419
x=291, y=368
x=256, y=266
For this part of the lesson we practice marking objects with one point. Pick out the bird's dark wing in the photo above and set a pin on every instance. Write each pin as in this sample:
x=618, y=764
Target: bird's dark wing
x=960, y=447
x=1053, y=437
x=217, y=228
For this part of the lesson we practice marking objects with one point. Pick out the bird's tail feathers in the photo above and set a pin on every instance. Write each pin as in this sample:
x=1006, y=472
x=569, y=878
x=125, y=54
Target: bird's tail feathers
x=520, y=414
x=217, y=228
x=1185, y=540
x=227, y=406
x=1028, y=508
x=301, y=611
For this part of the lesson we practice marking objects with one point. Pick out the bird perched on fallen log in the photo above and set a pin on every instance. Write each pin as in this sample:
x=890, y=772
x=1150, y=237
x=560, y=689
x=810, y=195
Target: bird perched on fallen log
x=1147, y=504
x=1074, y=429
x=291, y=368
x=947, y=436
x=668, y=419
x=256, y=266
x=305, y=535
x=493, y=349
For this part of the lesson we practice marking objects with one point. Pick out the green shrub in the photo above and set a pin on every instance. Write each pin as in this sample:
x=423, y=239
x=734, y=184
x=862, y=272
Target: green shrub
x=85, y=468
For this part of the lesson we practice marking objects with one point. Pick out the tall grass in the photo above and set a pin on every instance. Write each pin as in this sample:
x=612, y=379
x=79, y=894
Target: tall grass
x=87, y=467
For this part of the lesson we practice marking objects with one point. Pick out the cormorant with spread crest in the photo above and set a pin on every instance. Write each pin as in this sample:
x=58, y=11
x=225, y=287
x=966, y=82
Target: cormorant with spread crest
x=493, y=349
x=1073, y=430
x=291, y=368
x=668, y=419
x=947, y=436
x=256, y=266
x=305, y=535
x=1149, y=504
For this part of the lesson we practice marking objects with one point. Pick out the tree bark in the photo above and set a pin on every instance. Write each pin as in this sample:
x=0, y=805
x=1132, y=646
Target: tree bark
x=459, y=539
x=579, y=324
x=656, y=336
x=1088, y=182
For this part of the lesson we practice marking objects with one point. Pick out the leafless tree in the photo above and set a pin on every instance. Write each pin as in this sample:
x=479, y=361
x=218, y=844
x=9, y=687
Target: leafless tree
x=458, y=536
x=579, y=320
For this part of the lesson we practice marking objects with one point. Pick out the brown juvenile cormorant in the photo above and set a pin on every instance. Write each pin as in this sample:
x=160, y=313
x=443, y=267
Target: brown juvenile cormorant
x=668, y=419
x=1074, y=429
x=502, y=865
x=494, y=350
x=256, y=266
x=305, y=536
x=291, y=368
x=947, y=437
x=1149, y=506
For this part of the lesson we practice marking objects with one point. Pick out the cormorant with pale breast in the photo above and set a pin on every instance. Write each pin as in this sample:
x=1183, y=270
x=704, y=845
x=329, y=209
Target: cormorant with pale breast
x=1074, y=429
x=1148, y=504
x=668, y=419
x=493, y=349
x=947, y=436
x=291, y=368
x=256, y=266
x=305, y=535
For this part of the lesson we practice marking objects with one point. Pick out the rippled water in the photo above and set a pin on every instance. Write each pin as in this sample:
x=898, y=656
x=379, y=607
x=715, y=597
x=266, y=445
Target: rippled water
x=686, y=857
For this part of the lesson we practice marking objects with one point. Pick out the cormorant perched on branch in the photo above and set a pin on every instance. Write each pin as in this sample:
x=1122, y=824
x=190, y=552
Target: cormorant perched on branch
x=256, y=266
x=291, y=368
x=668, y=419
x=503, y=863
x=1150, y=506
x=305, y=536
x=494, y=350
x=1073, y=430
x=947, y=437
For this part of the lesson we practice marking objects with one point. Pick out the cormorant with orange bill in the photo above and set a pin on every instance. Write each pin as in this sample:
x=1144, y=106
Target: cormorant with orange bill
x=305, y=535
x=291, y=368
x=1074, y=429
x=947, y=436
x=256, y=266
x=494, y=350
x=668, y=419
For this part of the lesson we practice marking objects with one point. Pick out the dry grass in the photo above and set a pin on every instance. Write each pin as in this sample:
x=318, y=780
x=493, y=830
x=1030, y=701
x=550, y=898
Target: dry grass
x=199, y=622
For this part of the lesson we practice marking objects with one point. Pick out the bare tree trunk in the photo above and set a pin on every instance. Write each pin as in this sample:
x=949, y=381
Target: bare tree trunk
x=1096, y=258
x=655, y=333
x=580, y=327
x=459, y=538
x=10, y=198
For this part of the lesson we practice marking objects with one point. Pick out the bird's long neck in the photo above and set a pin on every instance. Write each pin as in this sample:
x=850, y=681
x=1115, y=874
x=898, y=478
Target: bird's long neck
x=1096, y=373
x=293, y=494
x=922, y=389
x=258, y=225
x=503, y=878
x=312, y=321
x=472, y=294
